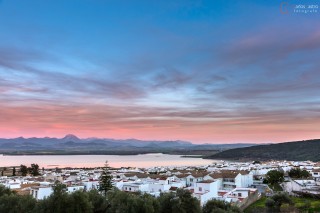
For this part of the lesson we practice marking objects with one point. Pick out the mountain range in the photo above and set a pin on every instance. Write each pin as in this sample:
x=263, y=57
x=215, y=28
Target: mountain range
x=71, y=144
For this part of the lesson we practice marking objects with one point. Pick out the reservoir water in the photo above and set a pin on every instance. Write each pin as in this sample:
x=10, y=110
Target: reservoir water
x=79, y=161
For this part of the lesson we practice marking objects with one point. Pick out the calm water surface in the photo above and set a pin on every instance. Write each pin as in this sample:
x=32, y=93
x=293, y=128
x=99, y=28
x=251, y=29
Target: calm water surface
x=142, y=161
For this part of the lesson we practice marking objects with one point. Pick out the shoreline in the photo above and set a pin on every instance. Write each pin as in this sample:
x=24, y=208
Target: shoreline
x=191, y=153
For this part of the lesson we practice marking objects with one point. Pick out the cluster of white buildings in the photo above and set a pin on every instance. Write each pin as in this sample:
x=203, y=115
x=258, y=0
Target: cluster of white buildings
x=310, y=185
x=203, y=184
x=239, y=183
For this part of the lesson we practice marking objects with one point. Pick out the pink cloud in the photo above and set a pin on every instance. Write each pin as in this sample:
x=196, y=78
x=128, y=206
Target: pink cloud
x=155, y=123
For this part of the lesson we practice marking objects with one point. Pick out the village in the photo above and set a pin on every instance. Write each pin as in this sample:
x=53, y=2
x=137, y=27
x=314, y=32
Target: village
x=239, y=183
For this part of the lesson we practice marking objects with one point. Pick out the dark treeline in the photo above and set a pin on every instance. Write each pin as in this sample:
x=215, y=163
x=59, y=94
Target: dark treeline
x=296, y=151
x=115, y=201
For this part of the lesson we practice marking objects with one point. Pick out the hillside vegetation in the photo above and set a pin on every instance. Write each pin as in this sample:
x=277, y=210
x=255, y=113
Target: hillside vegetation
x=298, y=150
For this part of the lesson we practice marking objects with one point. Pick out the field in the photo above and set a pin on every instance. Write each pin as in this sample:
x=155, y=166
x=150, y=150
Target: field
x=309, y=205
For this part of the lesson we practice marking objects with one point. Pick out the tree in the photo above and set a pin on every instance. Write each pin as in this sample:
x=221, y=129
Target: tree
x=270, y=203
x=3, y=170
x=119, y=201
x=149, y=203
x=62, y=202
x=305, y=174
x=99, y=202
x=167, y=201
x=14, y=171
x=58, y=170
x=105, y=180
x=275, y=202
x=78, y=201
x=298, y=173
x=34, y=169
x=59, y=189
x=274, y=176
x=14, y=203
x=180, y=202
x=10, y=202
x=188, y=203
x=219, y=206
x=5, y=191
x=57, y=202
x=23, y=170
x=122, y=202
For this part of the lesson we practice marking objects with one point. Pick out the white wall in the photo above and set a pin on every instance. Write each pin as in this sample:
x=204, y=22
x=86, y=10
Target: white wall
x=89, y=185
x=208, y=191
x=13, y=186
x=135, y=187
x=41, y=193
x=243, y=181
x=192, y=180
x=240, y=193
x=315, y=174
x=178, y=184
x=157, y=187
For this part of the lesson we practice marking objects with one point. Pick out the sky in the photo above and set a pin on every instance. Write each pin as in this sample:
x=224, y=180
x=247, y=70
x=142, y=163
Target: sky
x=223, y=71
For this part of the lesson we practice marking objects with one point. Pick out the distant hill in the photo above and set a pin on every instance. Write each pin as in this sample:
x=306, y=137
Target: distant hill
x=71, y=144
x=298, y=150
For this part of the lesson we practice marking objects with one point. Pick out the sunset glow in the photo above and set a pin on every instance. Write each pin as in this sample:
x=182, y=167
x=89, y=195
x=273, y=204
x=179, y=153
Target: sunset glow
x=201, y=71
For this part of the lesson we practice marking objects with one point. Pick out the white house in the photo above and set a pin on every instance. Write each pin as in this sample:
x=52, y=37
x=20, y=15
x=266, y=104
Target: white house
x=239, y=193
x=134, y=176
x=230, y=179
x=89, y=185
x=244, y=179
x=135, y=187
x=192, y=178
x=159, y=187
x=296, y=185
x=40, y=192
x=242, y=196
x=316, y=174
x=13, y=185
x=206, y=190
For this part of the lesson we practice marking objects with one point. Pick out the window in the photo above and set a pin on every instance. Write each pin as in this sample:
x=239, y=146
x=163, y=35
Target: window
x=191, y=179
x=239, y=194
x=200, y=189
